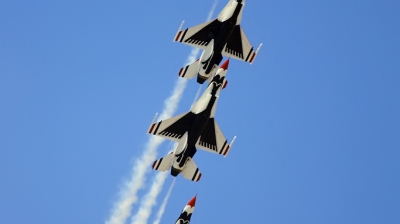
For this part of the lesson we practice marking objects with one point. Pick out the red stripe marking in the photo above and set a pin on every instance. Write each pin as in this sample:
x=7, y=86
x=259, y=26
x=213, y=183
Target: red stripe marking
x=177, y=37
x=154, y=164
x=226, y=150
x=199, y=177
x=151, y=129
x=252, y=57
x=179, y=73
x=225, y=84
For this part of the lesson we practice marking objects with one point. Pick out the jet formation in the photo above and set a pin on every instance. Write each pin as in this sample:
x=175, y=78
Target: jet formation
x=197, y=128
x=194, y=129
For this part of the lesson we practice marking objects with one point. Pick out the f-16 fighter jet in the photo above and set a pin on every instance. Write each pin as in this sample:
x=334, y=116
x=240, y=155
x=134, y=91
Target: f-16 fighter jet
x=222, y=36
x=195, y=129
x=186, y=214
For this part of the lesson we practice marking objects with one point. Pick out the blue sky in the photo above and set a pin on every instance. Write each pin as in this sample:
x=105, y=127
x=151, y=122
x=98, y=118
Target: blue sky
x=316, y=115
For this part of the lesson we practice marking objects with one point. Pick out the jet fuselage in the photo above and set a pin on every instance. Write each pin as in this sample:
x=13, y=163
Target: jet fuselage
x=203, y=109
x=221, y=33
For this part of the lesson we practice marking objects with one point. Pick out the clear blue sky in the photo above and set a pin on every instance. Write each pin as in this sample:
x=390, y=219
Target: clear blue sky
x=317, y=115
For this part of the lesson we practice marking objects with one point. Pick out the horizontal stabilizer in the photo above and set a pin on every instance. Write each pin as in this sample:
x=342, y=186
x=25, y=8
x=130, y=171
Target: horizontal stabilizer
x=189, y=71
x=191, y=172
x=164, y=163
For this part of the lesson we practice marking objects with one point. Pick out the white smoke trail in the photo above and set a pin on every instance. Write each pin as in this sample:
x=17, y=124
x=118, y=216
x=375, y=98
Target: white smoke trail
x=164, y=203
x=150, y=199
x=210, y=14
x=128, y=194
x=197, y=96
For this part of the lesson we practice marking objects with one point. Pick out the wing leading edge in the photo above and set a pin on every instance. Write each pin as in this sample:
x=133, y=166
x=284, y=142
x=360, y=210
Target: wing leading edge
x=172, y=128
x=198, y=36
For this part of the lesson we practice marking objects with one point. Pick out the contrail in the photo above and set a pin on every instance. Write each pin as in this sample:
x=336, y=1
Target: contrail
x=150, y=199
x=210, y=14
x=150, y=154
x=128, y=193
x=197, y=96
x=164, y=203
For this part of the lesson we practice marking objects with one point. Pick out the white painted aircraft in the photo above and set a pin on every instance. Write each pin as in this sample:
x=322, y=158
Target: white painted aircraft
x=220, y=37
x=195, y=129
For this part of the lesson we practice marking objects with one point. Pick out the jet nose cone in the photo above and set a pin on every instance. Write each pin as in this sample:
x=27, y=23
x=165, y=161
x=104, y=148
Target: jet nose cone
x=225, y=65
x=192, y=202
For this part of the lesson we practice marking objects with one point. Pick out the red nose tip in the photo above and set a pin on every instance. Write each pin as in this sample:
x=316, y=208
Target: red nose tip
x=225, y=65
x=192, y=202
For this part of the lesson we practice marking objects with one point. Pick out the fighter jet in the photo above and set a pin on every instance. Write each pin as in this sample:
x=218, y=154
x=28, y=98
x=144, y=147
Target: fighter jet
x=218, y=37
x=186, y=213
x=195, y=129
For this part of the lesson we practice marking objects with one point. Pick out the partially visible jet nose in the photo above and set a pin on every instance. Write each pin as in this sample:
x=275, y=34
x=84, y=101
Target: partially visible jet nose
x=225, y=65
x=222, y=70
x=186, y=213
x=192, y=202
